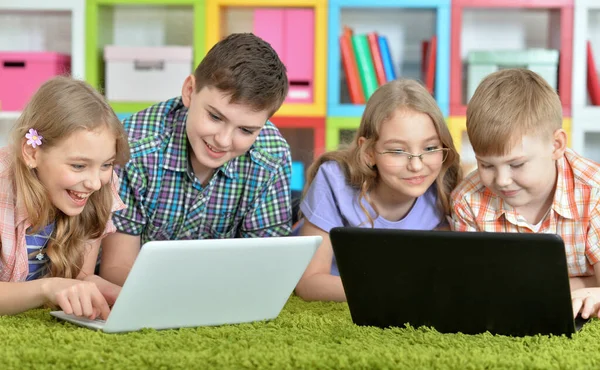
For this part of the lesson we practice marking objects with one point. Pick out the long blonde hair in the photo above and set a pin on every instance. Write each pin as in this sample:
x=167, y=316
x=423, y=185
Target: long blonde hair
x=394, y=95
x=59, y=108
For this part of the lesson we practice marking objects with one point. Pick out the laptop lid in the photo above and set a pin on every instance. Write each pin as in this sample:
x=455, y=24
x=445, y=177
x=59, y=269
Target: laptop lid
x=192, y=283
x=504, y=283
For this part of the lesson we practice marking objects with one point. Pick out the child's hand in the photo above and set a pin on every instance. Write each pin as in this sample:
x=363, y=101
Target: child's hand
x=586, y=301
x=76, y=297
x=109, y=290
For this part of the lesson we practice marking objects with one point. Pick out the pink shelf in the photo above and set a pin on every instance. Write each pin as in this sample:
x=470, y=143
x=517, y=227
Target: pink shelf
x=565, y=7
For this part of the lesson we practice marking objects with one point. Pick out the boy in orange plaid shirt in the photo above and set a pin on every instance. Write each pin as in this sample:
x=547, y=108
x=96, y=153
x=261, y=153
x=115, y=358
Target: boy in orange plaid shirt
x=527, y=180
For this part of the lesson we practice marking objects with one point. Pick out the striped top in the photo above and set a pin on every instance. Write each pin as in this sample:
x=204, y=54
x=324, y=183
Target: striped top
x=574, y=214
x=36, y=248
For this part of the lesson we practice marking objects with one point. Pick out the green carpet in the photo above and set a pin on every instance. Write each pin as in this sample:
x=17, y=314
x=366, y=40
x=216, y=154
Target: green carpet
x=305, y=335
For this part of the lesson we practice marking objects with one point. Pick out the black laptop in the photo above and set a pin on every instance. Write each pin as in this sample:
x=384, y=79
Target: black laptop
x=504, y=283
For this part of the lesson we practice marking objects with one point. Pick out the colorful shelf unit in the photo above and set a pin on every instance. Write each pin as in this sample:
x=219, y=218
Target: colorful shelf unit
x=305, y=135
x=335, y=129
x=586, y=131
x=560, y=36
x=458, y=129
x=383, y=16
x=297, y=30
x=140, y=23
x=41, y=25
x=586, y=139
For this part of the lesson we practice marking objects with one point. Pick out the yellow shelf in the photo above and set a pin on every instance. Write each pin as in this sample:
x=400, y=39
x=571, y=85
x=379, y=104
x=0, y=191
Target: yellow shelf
x=214, y=33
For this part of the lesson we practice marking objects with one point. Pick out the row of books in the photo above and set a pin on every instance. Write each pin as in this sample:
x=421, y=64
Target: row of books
x=367, y=63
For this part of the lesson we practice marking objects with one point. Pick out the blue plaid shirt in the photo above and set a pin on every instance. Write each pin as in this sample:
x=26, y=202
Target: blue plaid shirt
x=249, y=196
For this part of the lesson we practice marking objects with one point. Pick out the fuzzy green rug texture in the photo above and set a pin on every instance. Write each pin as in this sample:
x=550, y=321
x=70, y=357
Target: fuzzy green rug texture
x=304, y=336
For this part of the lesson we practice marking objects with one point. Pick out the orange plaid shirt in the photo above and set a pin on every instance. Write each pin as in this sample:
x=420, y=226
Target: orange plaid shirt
x=14, y=264
x=574, y=215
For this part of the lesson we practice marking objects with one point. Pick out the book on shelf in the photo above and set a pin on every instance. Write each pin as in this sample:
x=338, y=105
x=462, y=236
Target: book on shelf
x=386, y=58
x=364, y=61
x=428, y=63
x=350, y=68
x=373, y=39
x=593, y=83
x=367, y=63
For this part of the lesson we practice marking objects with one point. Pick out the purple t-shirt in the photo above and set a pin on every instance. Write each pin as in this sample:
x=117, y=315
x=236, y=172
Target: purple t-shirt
x=331, y=201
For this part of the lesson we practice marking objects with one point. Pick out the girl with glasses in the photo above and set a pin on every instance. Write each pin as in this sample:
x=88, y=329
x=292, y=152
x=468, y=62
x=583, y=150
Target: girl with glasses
x=398, y=173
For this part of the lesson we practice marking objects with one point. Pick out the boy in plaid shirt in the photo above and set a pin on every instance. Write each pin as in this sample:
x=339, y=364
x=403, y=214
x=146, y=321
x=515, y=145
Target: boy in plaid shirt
x=207, y=164
x=527, y=180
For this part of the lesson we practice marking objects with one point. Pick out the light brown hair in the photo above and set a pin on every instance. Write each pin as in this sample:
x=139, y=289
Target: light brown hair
x=508, y=105
x=59, y=108
x=247, y=68
x=389, y=98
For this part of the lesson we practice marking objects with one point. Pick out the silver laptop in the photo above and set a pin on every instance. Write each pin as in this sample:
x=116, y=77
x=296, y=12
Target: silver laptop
x=191, y=283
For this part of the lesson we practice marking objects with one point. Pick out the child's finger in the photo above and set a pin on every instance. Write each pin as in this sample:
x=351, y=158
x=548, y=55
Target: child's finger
x=86, y=304
x=74, y=299
x=588, y=307
x=100, y=304
x=577, y=303
x=63, y=302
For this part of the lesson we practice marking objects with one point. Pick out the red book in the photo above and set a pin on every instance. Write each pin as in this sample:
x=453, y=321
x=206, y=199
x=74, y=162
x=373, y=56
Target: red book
x=593, y=83
x=373, y=39
x=350, y=68
x=430, y=64
x=424, y=49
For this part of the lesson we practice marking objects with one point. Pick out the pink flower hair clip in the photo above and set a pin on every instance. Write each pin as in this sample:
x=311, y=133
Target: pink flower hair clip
x=33, y=138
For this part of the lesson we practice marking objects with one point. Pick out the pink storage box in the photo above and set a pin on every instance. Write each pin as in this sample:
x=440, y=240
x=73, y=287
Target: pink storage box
x=291, y=33
x=146, y=74
x=22, y=73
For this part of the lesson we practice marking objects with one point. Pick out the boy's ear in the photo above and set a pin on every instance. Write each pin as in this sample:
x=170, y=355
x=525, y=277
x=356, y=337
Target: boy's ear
x=559, y=142
x=30, y=154
x=188, y=89
x=368, y=153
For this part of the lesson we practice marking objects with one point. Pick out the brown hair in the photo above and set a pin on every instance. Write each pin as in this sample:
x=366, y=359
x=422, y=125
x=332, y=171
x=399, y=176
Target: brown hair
x=247, y=68
x=509, y=104
x=395, y=95
x=59, y=108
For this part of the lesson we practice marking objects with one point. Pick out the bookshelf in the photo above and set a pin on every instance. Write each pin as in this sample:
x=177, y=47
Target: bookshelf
x=339, y=131
x=510, y=24
x=586, y=131
x=305, y=135
x=239, y=16
x=38, y=25
x=402, y=21
x=140, y=23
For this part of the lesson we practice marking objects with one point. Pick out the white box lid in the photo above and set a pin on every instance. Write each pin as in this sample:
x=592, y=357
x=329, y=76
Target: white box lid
x=168, y=53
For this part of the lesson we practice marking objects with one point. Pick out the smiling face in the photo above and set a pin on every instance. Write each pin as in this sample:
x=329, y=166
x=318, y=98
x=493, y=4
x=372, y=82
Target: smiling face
x=218, y=130
x=74, y=168
x=409, y=132
x=524, y=177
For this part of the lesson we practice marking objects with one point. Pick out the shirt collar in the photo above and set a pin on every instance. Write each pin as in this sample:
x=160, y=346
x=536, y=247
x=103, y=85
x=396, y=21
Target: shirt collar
x=564, y=202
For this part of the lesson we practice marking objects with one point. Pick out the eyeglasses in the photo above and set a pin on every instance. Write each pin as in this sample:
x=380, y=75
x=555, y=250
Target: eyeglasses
x=401, y=158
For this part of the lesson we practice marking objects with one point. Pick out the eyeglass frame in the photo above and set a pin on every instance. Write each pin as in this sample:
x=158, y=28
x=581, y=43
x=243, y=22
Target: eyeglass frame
x=410, y=156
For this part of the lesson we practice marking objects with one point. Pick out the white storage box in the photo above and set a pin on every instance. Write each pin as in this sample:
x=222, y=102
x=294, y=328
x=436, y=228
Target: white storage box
x=146, y=74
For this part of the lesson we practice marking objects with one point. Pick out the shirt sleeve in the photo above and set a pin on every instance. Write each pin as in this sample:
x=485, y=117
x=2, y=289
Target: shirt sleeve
x=132, y=191
x=592, y=244
x=462, y=217
x=319, y=205
x=271, y=214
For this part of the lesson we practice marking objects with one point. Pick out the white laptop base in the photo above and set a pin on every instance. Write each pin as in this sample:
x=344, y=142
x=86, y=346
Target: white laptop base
x=191, y=283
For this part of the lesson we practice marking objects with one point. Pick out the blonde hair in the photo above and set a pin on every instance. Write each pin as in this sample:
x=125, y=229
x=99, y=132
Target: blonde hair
x=395, y=95
x=509, y=104
x=59, y=108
